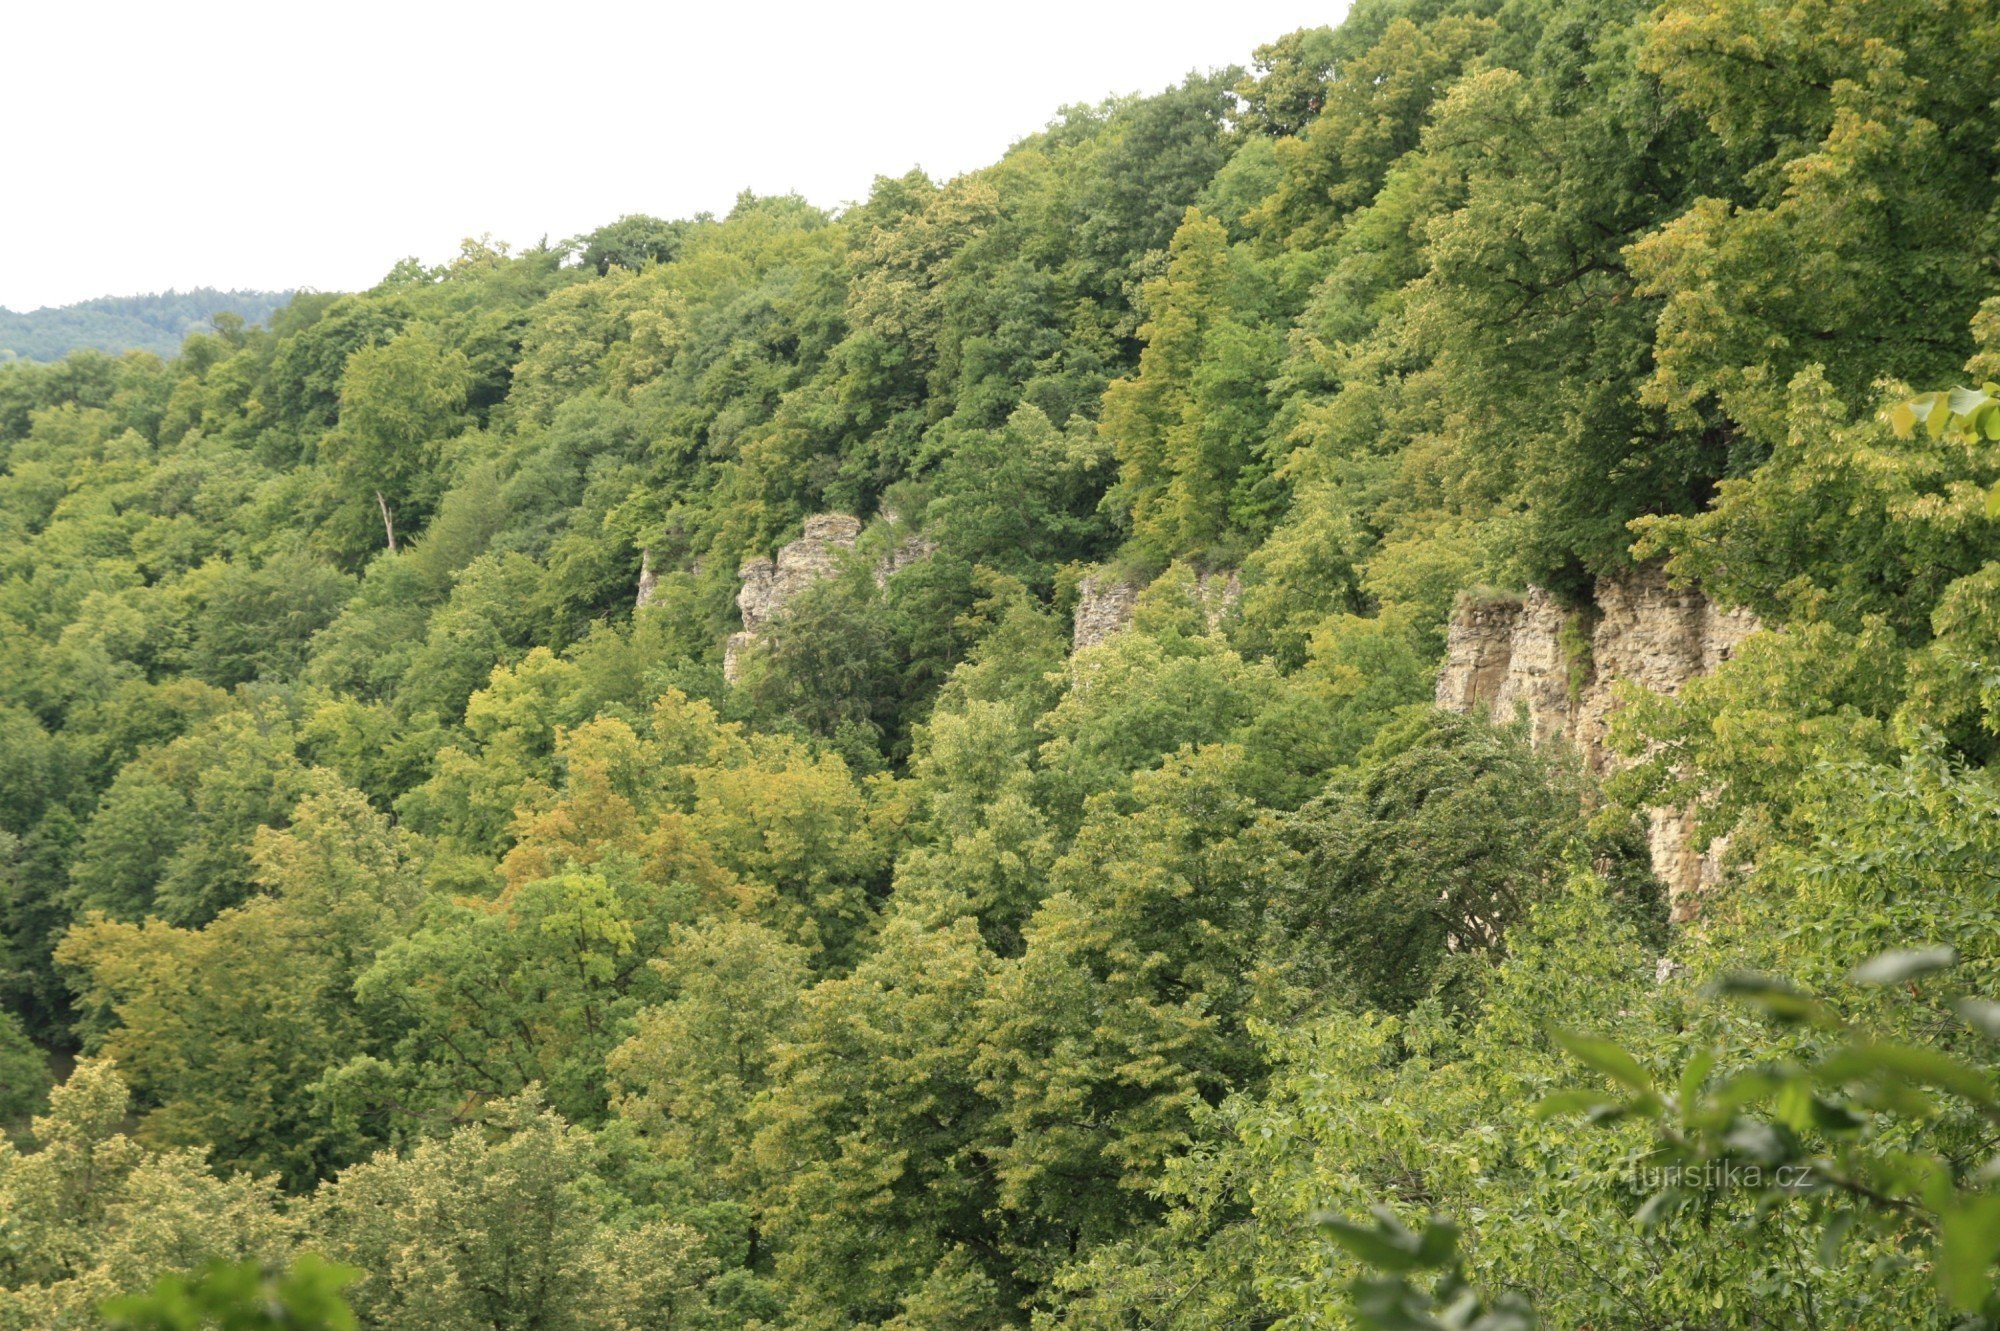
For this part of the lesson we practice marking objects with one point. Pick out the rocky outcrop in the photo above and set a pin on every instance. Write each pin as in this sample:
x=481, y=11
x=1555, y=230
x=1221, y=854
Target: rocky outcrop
x=1218, y=593
x=1506, y=656
x=910, y=550
x=771, y=581
x=649, y=577
x=1105, y=605
x=649, y=580
x=1526, y=656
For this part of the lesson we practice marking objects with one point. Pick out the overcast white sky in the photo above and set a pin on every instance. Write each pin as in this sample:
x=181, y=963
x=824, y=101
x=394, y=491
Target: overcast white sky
x=284, y=144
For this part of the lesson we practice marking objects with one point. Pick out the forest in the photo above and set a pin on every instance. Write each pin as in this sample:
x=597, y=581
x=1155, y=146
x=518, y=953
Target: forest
x=571, y=791
x=158, y=323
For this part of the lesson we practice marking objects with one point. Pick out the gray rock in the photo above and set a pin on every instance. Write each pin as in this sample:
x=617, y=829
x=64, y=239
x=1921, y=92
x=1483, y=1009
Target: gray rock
x=1507, y=657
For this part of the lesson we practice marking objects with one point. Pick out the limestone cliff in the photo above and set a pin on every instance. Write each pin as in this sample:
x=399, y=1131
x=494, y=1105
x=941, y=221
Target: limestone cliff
x=1105, y=605
x=912, y=549
x=649, y=580
x=1512, y=656
x=770, y=582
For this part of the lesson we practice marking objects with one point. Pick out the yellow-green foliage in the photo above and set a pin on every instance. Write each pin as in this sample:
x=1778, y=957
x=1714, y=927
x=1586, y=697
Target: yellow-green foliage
x=417, y=900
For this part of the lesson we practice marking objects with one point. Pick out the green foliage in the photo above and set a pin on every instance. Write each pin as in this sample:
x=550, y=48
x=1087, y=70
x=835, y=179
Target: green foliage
x=486, y=999
x=1395, y=1302
x=1801, y=1135
x=499, y=1224
x=24, y=1074
x=416, y=898
x=244, y=1297
x=1291, y=82
x=91, y=1214
x=632, y=242
x=1444, y=841
x=1183, y=427
x=399, y=403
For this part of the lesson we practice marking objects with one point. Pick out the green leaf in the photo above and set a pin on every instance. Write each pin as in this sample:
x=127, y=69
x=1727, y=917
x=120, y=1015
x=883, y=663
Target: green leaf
x=1895, y=967
x=1603, y=1056
x=1976, y=419
x=1780, y=1001
x=1758, y=1141
x=1966, y=401
x=1391, y=1303
x=1388, y=1246
x=1924, y=1066
x=1830, y=1117
x=1659, y=1206
x=1438, y=1247
x=1903, y=419
x=1693, y=1075
x=1938, y=417
x=1831, y=1237
x=1746, y=1088
x=1510, y=1312
x=1968, y=1241
x=1577, y=1100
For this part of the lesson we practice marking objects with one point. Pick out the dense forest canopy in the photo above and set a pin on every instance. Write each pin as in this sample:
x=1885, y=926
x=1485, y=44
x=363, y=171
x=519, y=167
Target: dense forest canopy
x=158, y=323
x=392, y=889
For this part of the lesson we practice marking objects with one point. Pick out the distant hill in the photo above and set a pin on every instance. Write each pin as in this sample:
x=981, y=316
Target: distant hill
x=154, y=323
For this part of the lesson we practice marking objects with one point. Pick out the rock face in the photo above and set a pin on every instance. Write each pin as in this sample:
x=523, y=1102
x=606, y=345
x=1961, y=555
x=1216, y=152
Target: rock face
x=1510, y=657
x=910, y=550
x=649, y=581
x=769, y=583
x=649, y=577
x=1105, y=605
x=1219, y=593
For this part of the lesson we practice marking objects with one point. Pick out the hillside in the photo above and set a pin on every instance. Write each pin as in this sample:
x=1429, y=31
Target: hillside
x=1357, y=694
x=155, y=323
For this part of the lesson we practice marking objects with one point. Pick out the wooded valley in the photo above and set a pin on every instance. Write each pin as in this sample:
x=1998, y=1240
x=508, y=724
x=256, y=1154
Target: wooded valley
x=1359, y=694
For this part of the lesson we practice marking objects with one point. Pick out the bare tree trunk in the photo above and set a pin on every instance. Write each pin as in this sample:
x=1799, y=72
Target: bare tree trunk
x=387, y=525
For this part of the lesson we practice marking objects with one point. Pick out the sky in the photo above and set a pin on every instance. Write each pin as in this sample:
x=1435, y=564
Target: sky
x=278, y=144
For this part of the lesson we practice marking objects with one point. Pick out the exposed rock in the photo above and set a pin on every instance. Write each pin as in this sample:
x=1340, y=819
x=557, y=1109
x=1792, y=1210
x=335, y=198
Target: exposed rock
x=1509, y=656
x=1537, y=676
x=649, y=577
x=733, y=648
x=1103, y=606
x=1219, y=593
x=910, y=550
x=1652, y=634
x=649, y=580
x=1478, y=651
x=770, y=583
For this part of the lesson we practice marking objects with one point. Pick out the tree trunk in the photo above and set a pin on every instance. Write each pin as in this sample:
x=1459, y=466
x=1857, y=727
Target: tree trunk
x=387, y=525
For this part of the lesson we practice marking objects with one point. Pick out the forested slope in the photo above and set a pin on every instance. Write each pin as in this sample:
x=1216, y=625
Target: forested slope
x=115, y=324
x=413, y=899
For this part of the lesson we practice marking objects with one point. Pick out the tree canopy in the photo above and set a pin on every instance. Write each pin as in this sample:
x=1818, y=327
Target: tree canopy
x=430, y=897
